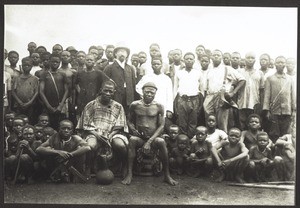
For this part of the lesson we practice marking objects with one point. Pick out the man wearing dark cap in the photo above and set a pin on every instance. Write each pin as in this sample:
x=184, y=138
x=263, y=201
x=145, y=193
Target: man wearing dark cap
x=123, y=75
x=146, y=123
x=73, y=60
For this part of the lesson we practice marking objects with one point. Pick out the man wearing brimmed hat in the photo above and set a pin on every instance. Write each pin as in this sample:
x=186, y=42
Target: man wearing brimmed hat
x=146, y=124
x=123, y=75
x=223, y=82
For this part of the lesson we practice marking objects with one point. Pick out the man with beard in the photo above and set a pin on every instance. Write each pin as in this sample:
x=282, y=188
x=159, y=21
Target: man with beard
x=146, y=123
x=124, y=77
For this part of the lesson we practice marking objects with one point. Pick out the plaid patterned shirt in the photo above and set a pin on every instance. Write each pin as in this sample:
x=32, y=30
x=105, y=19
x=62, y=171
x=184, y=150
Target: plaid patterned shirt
x=102, y=118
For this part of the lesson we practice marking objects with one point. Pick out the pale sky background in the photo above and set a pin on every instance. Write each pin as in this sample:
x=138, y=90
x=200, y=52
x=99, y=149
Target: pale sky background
x=242, y=29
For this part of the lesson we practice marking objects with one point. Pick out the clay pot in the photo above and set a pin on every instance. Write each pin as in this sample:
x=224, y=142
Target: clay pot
x=104, y=176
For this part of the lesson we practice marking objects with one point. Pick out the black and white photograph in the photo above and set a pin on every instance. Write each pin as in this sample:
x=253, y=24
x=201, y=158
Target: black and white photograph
x=149, y=105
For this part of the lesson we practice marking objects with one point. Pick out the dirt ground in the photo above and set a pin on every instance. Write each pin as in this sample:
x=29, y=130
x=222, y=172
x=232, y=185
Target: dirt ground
x=146, y=191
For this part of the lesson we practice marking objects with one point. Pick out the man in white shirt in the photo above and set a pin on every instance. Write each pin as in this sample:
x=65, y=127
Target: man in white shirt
x=221, y=80
x=190, y=96
x=163, y=83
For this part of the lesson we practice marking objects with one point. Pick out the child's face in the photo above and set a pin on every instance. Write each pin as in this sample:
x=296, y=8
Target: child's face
x=89, y=60
x=18, y=125
x=81, y=58
x=211, y=122
x=46, y=61
x=28, y=134
x=109, y=52
x=65, y=130
x=13, y=58
x=234, y=136
x=54, y=62
x=174, y=131
x=201, y=135
x=35, y=58
x=44, y=121
x=26, y=66
x=280, y=64
x=290, y=65
x=262, y=141
x=204, y=62
x=65, y=57
x=264, y=61
x=254, y=123
x=94, y=52
x=182, y=143
x=12, y=144
x=57, y=50
x=9, y=119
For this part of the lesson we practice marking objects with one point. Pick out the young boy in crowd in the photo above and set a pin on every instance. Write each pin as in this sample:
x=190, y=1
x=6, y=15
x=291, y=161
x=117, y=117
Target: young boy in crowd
x=44, y=120
x=233, y=157
x=201, y=151
x=17, y=126
x=179, y=157
x=249, y=136
x=29, y=158
x=39, y=133
x=87, y=83
x=36, y=60
x=261, y=159
x=170, y=138
x=54, y=91
x=45, y=60
x=24, y=150
x=64, y=147
x=80, y=57
x=9, y=117
x=214, y=135
x=285, y=157
x=25, y=90
x=12, y=69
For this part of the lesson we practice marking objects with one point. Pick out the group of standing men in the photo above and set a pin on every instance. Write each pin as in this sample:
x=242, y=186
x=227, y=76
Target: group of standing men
x=131, y=105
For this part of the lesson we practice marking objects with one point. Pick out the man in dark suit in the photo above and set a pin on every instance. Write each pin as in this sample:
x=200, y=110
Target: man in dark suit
x=124, y=77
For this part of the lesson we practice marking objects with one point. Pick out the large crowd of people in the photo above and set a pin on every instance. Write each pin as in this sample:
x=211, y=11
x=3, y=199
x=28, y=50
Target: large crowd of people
x=197, y=113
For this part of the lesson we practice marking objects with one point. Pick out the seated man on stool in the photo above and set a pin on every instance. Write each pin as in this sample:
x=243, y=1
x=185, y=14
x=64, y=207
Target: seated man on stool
x=104, y=119
x=146, y=122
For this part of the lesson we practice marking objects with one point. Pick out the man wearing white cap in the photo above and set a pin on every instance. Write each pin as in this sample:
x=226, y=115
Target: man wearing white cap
x=146, y=124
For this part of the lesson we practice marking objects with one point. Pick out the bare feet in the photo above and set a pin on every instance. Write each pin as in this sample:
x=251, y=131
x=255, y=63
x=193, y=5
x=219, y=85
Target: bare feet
x=170, y=181
x=127, y=179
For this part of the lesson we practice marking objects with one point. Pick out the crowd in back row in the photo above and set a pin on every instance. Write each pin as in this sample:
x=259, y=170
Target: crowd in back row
x=190, y=88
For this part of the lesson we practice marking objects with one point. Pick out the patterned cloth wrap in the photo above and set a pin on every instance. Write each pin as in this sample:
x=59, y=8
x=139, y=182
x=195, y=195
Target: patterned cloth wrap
x=155, y=161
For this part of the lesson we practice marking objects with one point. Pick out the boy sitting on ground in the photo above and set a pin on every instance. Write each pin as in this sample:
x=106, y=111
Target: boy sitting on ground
x=285, y=158
x=201, y=157
x=261, y=160
x=233, y=157
x=171, y=137
x=179, y=157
